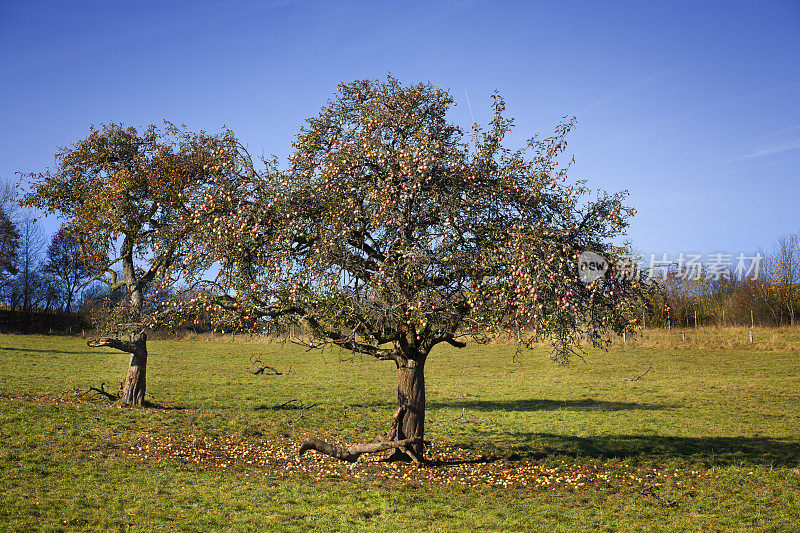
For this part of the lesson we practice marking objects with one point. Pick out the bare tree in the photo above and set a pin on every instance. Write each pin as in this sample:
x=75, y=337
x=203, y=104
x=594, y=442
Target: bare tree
x=9, y=240
x=9, y=247
x=782, y=287
x=65, y=267
x=28, y=282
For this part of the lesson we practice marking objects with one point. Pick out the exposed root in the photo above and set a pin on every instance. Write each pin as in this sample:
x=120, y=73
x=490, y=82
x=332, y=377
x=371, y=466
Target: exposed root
x=352, y=453
x=414, y=457
x=385, y=441
x=395, y=424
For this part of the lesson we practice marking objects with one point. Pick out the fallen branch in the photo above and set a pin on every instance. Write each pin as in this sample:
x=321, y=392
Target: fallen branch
x=101, y=392
x=352, y=453
x=640, y=376
x=265, y=369
x=291, y=405
x=460, y=418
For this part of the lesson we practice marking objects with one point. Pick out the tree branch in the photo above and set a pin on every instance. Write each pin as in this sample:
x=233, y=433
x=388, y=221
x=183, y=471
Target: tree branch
x=352, y=453
x=136, y=347
x=456, y=344
x=113, y=284
x=349, y=343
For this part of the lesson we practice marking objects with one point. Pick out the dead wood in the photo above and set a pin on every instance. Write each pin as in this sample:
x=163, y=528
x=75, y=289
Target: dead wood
x=261, y=368
x=640, y=376
x=352, y=453
x=459, y=418
x=288, y=405
x=97, y=392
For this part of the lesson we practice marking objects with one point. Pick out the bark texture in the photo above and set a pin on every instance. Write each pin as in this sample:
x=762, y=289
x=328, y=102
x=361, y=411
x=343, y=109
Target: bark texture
x=135, y=384
x=351, y=453
x=410, y=415
x=407, y=428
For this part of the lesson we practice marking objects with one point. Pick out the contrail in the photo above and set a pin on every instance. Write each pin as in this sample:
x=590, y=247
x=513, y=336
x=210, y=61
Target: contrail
x=469, y=106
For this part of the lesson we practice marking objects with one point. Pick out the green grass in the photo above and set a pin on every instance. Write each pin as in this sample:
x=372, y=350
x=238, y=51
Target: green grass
x=707, y=439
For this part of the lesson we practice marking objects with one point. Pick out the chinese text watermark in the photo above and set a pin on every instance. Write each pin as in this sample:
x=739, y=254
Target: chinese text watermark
x=691, y=266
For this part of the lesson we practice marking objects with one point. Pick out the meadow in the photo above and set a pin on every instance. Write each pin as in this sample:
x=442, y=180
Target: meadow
x=666, y=432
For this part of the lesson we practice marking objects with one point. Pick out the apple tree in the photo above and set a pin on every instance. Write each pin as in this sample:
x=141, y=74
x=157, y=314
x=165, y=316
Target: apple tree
x=127, y=198
x=393, y=231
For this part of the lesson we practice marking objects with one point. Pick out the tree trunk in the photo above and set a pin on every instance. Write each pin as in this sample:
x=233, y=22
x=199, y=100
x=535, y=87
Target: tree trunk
x=407, y=429
x=136, y=380
x=411, y=404
x=133, y=388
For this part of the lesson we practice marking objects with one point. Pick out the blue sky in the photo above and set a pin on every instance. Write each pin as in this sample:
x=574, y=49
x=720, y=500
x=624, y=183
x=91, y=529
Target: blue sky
x=694, y=107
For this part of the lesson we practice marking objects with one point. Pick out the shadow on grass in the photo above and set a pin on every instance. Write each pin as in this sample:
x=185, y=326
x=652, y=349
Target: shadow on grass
x=547, y=405
x=291, y=405
x=162, y=407
x=22, y=351
x=711, y=451
x=483, y=459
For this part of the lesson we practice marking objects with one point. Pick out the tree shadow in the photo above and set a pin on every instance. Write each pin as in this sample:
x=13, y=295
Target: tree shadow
x=711, y=451
x=35, y=350
x=163, y=407
x=483, y=459
x=586, y=404
x=291, y=405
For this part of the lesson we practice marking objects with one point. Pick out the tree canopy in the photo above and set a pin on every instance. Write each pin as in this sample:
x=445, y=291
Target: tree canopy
x=393, y=231
x=127, y=197
x=390, y=232
x=392, y=227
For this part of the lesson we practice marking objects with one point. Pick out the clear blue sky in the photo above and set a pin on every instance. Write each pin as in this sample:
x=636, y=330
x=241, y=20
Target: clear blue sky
x=694, y=107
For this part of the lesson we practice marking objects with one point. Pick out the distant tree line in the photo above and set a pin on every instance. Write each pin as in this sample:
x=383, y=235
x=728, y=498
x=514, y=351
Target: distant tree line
x=771, y=298
x=40, y=278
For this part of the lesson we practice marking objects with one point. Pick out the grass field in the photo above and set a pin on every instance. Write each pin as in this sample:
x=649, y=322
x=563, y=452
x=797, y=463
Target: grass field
x=707, y=439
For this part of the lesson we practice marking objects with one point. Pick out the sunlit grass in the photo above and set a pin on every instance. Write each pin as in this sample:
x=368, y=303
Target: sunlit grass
x=706, y=438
